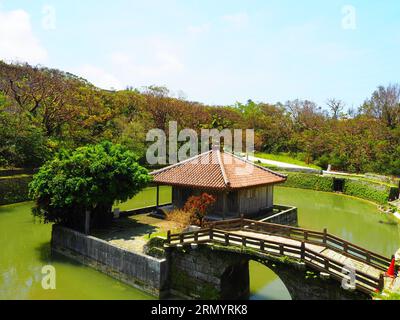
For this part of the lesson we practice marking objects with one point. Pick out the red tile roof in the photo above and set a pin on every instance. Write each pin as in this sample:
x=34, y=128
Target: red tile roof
x=217, y=170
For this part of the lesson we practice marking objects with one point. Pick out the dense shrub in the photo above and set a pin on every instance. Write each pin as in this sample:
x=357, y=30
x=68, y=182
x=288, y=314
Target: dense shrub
x=14, y=189
x=180, y=217
x=368, y=190
x=309, y=181
x=90, y=179
x=379, y=193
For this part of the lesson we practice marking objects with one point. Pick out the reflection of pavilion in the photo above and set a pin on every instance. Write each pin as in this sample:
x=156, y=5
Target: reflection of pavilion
x=241, y=187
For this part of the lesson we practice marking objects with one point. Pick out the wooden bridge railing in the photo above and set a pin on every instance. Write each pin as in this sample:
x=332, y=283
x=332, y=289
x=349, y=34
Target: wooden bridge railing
x=314, y=237
x=364, y=282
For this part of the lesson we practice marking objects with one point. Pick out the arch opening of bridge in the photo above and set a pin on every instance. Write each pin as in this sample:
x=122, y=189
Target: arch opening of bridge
x=312, y=265
x=265, y=284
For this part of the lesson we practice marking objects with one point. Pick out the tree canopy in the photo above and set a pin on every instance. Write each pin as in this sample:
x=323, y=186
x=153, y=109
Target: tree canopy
x=91, y=179
x=45, y=110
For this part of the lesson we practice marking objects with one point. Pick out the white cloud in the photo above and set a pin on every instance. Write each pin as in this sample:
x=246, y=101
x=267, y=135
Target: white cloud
x=194, y=30
x=99, y=77
x=141, y=63
x=150, y=59
x=17, y=41
x=237, y=20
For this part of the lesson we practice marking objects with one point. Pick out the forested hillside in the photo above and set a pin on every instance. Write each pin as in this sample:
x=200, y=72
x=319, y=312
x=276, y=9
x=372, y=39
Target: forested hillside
x=43, y=110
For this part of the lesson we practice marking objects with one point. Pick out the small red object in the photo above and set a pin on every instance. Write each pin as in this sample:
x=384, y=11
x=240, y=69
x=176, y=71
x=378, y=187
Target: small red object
x=390, y=273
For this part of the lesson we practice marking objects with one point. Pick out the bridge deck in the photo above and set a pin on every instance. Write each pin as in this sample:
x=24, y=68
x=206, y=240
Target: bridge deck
x=333, y=255
x=320, y=251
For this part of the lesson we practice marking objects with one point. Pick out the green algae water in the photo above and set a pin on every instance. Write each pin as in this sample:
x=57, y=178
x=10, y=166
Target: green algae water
x=352, y=219
x=25, y=249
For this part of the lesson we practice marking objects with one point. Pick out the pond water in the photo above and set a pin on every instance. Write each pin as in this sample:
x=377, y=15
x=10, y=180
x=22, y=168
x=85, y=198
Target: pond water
x=25, y=249
x=352, y=219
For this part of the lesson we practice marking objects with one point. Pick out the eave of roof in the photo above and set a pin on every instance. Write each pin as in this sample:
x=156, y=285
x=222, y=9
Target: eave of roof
x=216, y=178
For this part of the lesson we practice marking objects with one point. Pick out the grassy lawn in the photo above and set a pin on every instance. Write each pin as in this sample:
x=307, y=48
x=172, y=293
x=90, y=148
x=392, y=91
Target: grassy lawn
x=284, y=157
x=147, y=198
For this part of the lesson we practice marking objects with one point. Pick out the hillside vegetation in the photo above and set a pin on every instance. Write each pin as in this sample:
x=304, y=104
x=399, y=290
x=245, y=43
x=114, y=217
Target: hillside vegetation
x=43, y=110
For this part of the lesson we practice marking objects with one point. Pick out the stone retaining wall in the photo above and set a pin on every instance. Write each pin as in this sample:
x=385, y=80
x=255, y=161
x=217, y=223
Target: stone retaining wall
x=143, y=272
x=201, y=273
x=287, y=217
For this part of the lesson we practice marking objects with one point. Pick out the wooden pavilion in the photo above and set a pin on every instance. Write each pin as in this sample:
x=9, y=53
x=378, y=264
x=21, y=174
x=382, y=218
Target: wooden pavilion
x=240, y=186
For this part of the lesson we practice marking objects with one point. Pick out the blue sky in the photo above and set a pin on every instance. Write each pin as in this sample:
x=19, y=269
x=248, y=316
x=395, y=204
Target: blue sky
x=216, y=52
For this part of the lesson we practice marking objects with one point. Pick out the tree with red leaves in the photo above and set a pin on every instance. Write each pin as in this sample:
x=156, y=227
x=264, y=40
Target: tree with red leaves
x=199, y=207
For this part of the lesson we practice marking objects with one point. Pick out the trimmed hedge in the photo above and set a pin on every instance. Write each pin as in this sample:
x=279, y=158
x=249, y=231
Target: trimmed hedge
x=309, y=181
x=15, y=172
x=376, y=192
x=379, y=193
x=14, y=189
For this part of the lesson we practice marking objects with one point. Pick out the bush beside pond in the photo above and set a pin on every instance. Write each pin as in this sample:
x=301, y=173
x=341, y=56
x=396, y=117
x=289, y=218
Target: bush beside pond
x=14, y=189
x=309, y=181
x=379, y=193
x=376, y=192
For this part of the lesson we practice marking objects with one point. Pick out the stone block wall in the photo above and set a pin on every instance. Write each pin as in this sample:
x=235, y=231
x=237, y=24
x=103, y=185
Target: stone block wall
x=288, y=217
x=143, y=272
x=201, y=273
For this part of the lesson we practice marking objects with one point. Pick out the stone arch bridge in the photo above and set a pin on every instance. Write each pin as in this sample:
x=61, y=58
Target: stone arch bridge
x=213, y=263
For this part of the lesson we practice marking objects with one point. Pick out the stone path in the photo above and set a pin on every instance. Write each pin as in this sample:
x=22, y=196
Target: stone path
x=283, y=165
x=134, y=232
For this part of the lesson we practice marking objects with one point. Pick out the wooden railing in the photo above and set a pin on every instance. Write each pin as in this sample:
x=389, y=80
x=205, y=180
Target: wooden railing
x=314, y=237
x=337, y=270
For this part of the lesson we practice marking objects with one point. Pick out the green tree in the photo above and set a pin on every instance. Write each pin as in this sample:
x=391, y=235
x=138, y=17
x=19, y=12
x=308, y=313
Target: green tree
x=90, y=179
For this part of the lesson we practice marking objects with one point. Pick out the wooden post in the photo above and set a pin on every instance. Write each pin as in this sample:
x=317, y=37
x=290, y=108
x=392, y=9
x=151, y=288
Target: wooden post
x=345, y=247
x=262, y=245
x=305, y=235
x=87, y=222
x=227, y=239
x=212, y=232
x=181, y=238
x=281, y=249
x=327, y=264
x=224, y=206
x=396, y=265
x=325, y=239
x=241, y=221
x=303, y=251
x=158, y=197
x=381, y=284
x=244, y=242
x=169, y=236
x=196, y=237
